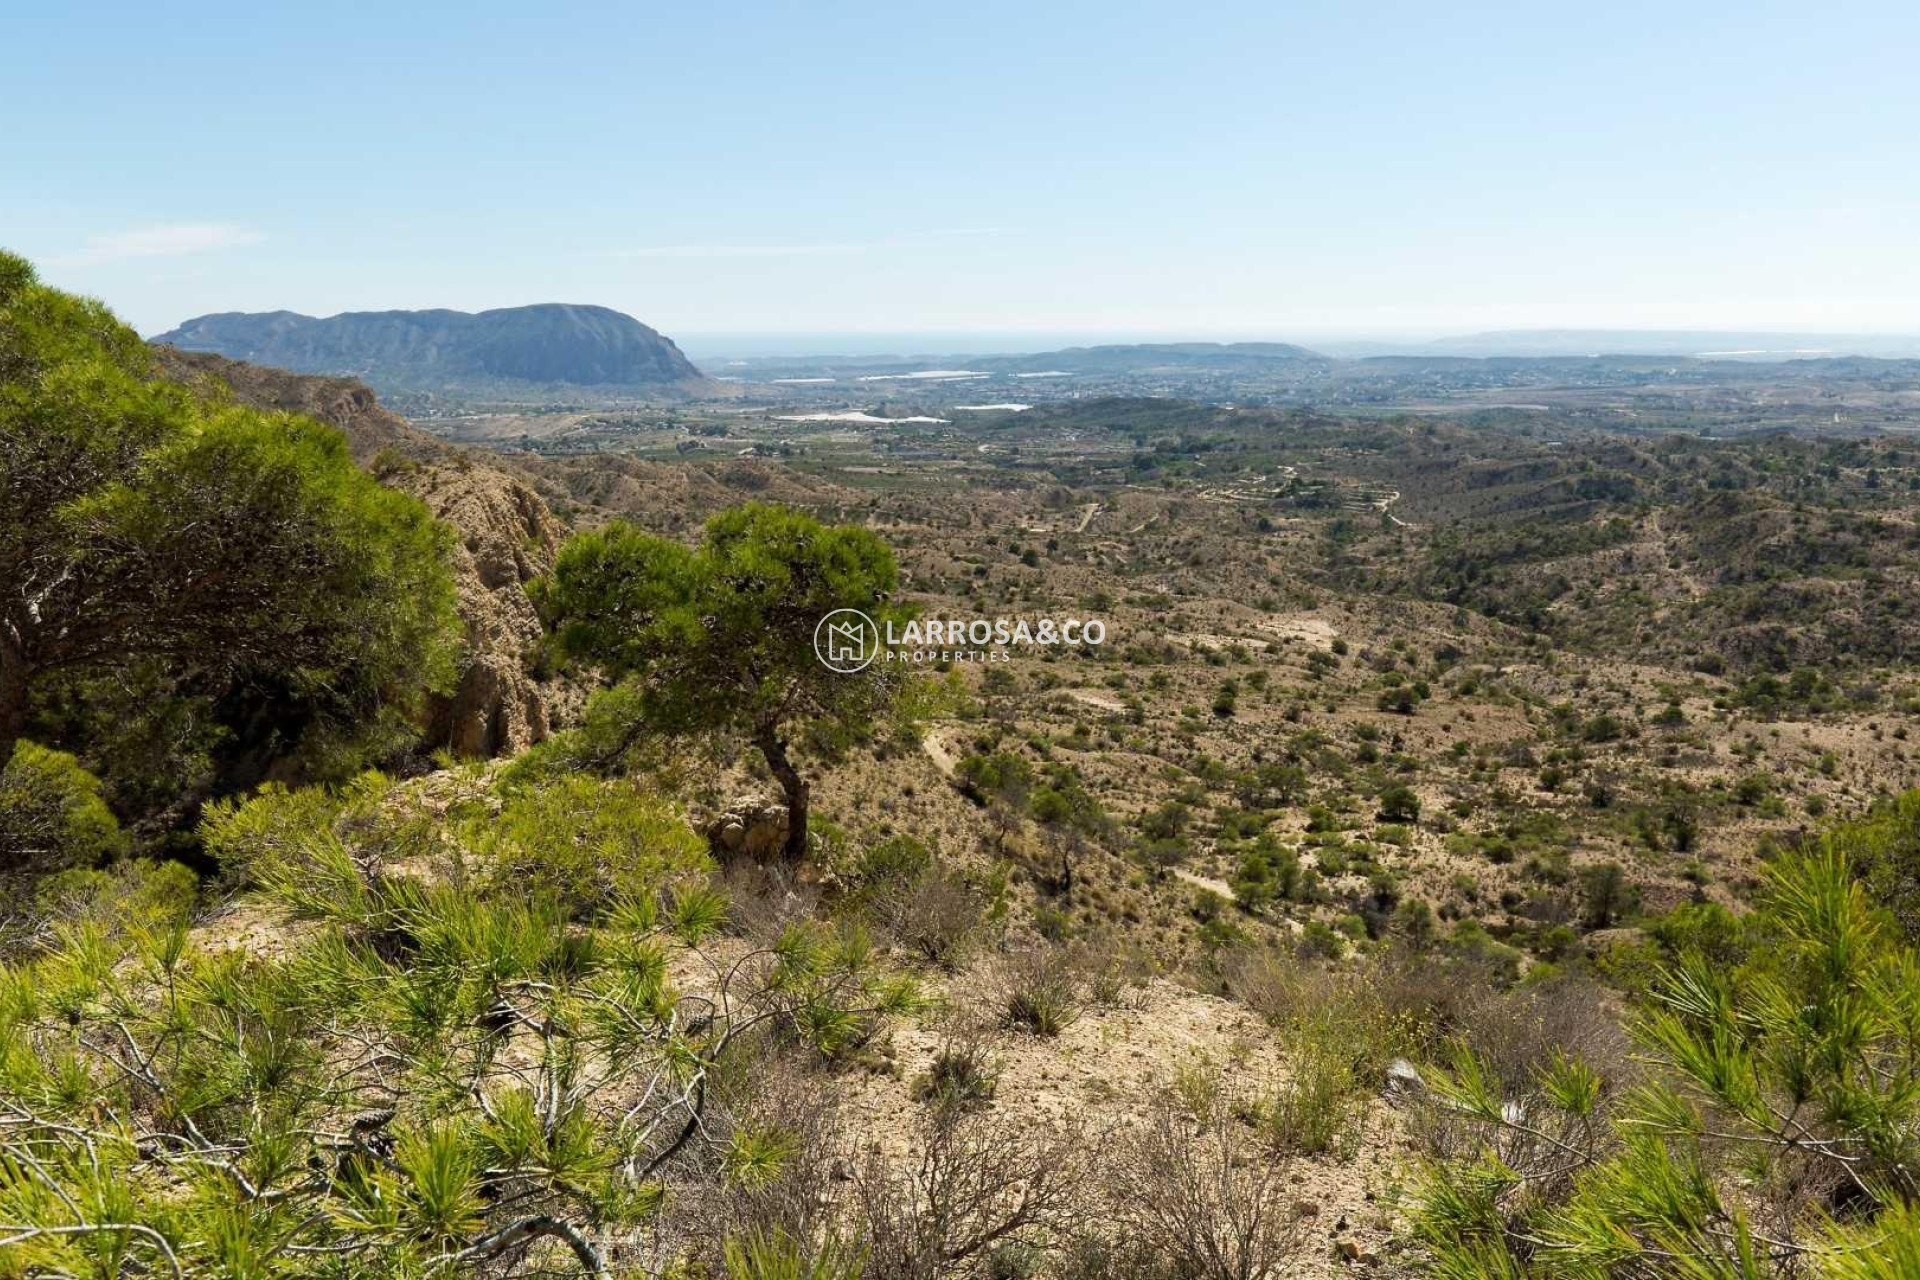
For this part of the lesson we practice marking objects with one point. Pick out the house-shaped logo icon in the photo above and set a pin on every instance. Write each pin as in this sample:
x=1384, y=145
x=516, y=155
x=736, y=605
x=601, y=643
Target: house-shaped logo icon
x=846, y=640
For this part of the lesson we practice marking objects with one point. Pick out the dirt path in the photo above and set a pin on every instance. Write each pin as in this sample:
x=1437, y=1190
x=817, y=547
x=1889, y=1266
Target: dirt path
x=1220, y=887
x=936, y=750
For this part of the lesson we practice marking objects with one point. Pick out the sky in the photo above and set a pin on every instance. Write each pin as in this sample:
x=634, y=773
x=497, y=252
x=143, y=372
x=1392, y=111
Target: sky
x=768, y=173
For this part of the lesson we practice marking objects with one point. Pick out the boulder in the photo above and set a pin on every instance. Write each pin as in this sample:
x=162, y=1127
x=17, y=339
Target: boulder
x=1403, y=1080
x=749, y=827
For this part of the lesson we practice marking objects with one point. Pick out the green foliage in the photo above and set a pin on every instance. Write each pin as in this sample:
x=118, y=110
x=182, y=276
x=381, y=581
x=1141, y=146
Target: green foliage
x=230, y=558
x=1799, y=1054
x=443, y=1070
x=1399, y=804
x=587, y=843
x=51, y=815
x=1001, y=777
x=1268, y=872
x=1316, y=1110
x=777, y=1256
x=272, y=836
x=131, y=894
x=1884, y=850
x=720, y=638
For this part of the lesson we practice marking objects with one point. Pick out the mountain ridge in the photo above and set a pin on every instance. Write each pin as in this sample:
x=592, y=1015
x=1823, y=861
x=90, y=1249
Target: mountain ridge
x=549, y=343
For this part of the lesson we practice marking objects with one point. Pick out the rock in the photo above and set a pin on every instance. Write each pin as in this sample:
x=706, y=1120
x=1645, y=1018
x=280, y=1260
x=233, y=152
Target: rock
x=507, y=539
x=750, y=827
x=1403, y=1080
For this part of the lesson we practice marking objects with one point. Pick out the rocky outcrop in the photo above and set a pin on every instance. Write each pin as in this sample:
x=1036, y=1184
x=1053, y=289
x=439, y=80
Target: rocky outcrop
x=750, y=827
x=507, y=537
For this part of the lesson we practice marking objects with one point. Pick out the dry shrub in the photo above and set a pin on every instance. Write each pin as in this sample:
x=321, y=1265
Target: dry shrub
x=977, y=1183
x=1518, y=1033
x=1194, y=1198
x=1041, y=990
x=779, y=1100
x=763, y=900
x=935, y=915
x=964, y=1073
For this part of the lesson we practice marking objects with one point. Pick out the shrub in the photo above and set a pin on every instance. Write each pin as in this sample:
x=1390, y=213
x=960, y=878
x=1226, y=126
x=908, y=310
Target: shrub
x=1801, y=1056
x=937, y=915
x=1042, y=992
x=1606, y=895
x=253, y=840
x=51, y=815
x=777, y=1256
x=1319, y=941
x=963, y=1073
x=1190, y=1199
x=1316, y=1110
x=978, y=1182
x=1399, y=804
x=130, y=894
x=587, y=842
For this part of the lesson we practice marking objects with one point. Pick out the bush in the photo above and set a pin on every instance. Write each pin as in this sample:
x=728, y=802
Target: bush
x=1042, y=993
x=1191, y=1201
x=1606, y=895
x=51, y=815
x=1399, y=804
x=1316, y=1111
x=963, y=1073
x=132, y=893
x=587, y=842
x=1802, y=1056
x=937, y=915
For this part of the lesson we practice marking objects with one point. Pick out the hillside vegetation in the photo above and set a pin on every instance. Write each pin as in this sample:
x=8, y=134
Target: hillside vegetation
x=1468, y=854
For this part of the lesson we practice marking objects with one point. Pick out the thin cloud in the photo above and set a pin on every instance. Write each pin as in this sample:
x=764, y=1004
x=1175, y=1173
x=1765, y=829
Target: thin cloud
x=741, y=250
x=171, y=241
x=806, y=250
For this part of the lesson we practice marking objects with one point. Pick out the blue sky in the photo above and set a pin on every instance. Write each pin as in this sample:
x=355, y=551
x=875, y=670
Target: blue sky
x=1211, y=169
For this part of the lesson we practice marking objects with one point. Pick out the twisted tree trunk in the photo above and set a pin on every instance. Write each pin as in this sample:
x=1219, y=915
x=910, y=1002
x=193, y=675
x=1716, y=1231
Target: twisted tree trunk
x=774, y=748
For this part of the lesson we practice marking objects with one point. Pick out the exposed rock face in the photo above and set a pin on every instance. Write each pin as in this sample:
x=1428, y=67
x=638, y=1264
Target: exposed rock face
x=750, y=827
x=548, y=343
x=507, y=537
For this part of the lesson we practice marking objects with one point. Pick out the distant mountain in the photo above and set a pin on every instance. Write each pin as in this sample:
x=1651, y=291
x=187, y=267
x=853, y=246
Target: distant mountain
x=1145, y=356
x=551, y=343
x=1706, y=343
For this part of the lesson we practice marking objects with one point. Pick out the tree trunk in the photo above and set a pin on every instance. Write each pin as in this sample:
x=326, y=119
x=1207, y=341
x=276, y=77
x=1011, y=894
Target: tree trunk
x=774, y=748
x=13, y=699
